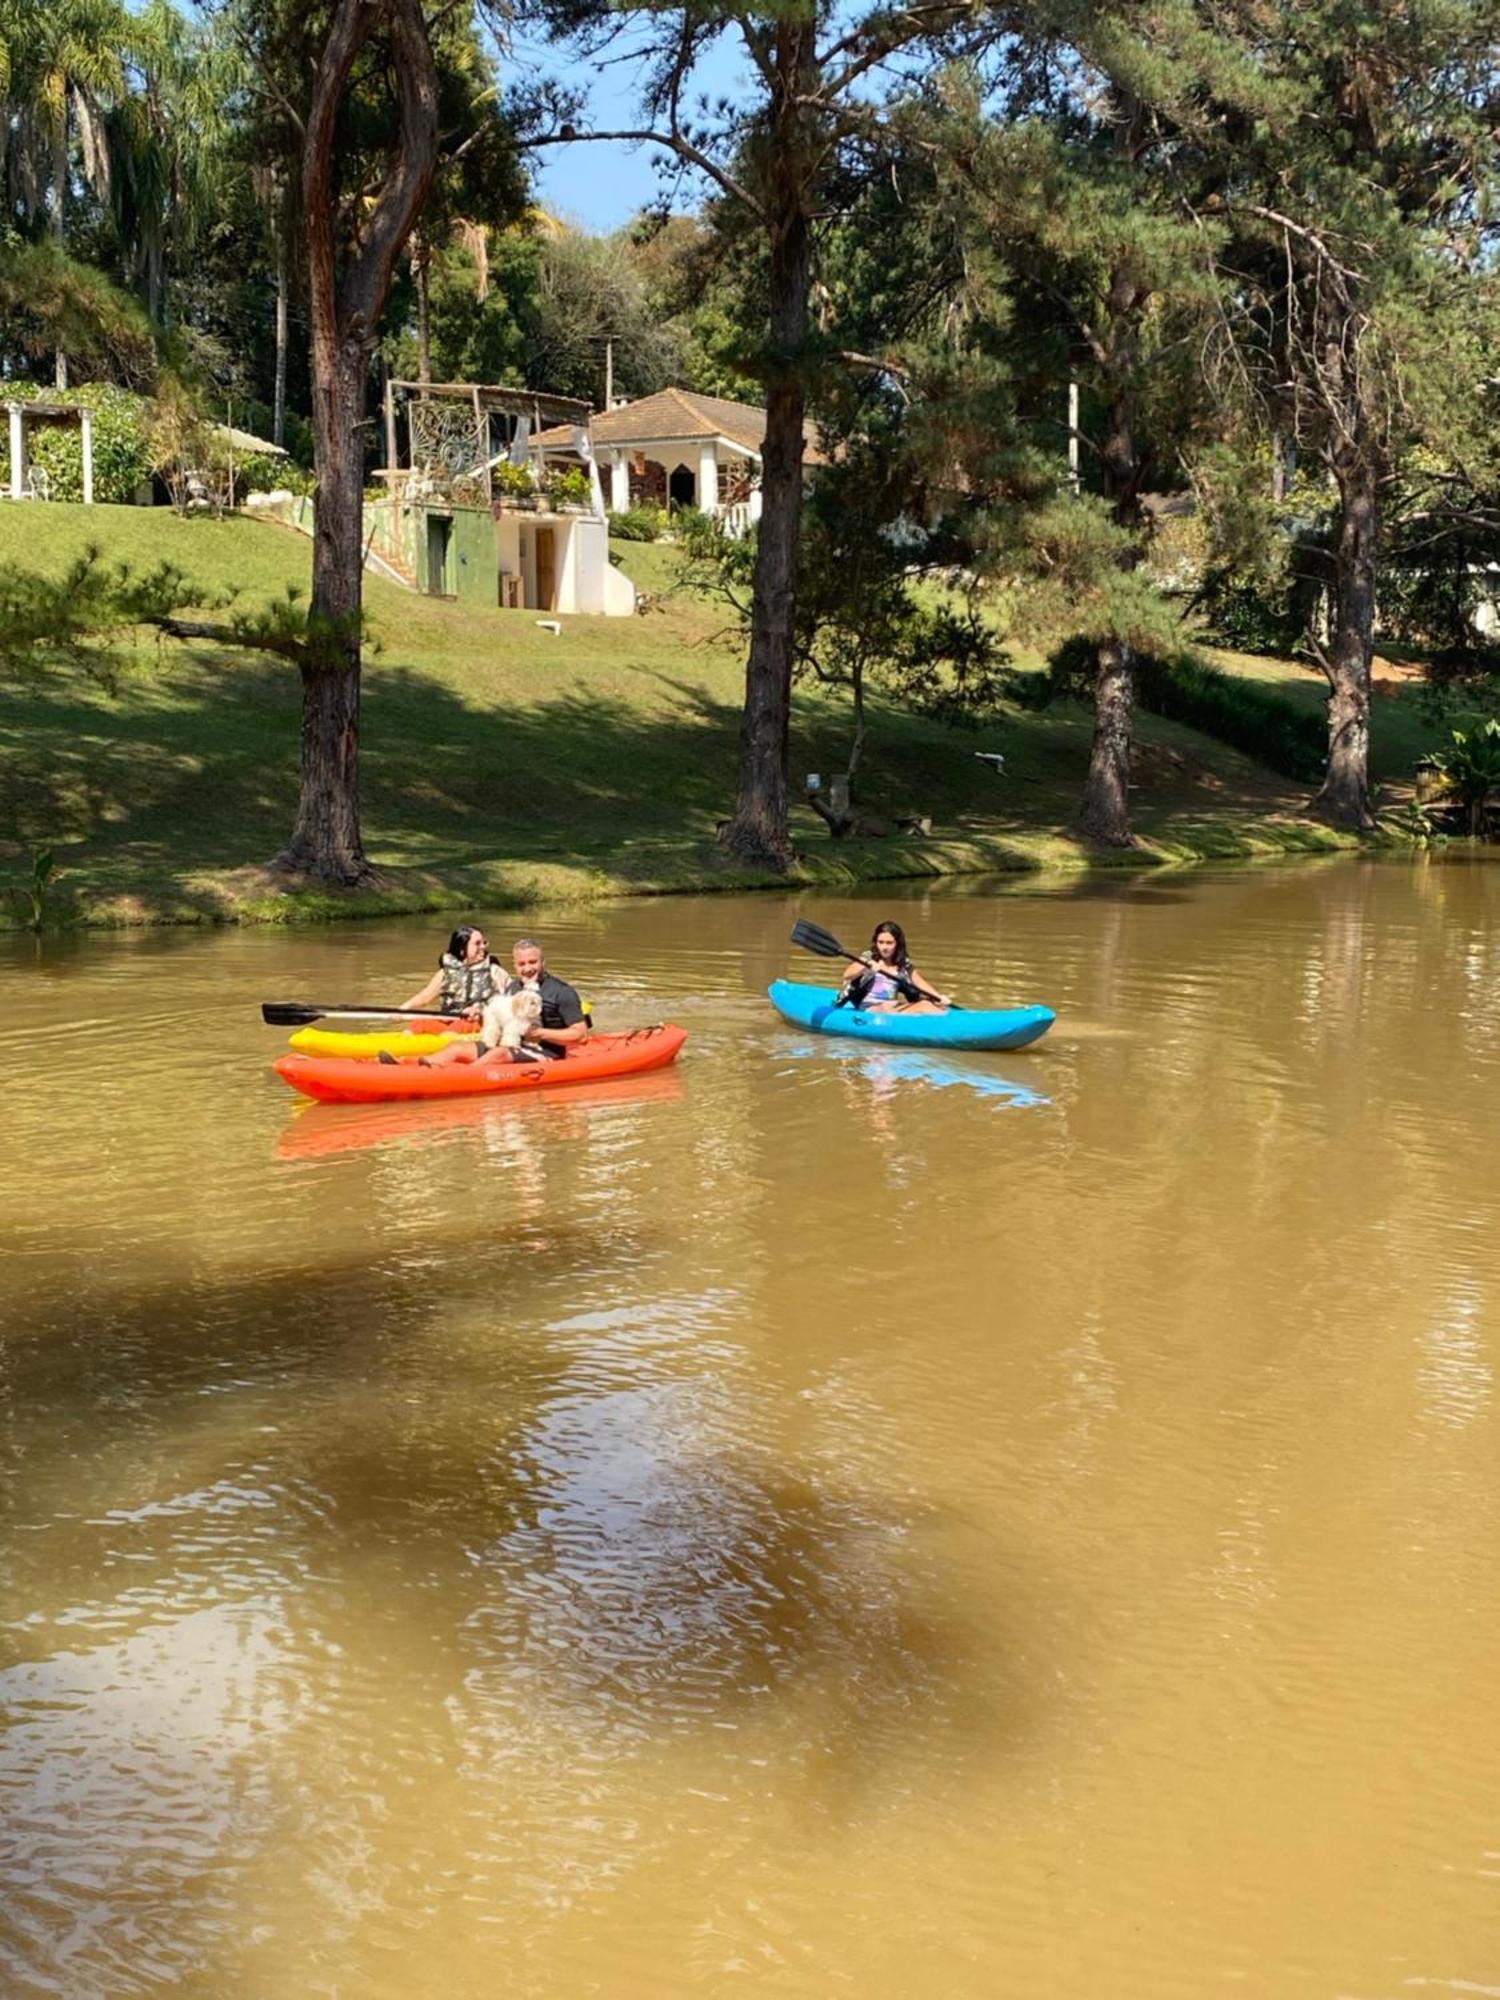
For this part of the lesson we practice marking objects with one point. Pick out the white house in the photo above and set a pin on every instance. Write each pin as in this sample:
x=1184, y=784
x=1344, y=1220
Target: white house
x=484, y=512
x=678, y=448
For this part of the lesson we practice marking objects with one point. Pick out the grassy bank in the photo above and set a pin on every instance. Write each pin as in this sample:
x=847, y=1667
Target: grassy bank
x=503, y=766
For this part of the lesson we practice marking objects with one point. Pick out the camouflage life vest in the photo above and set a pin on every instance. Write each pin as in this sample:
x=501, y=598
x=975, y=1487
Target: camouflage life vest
x=467, y=987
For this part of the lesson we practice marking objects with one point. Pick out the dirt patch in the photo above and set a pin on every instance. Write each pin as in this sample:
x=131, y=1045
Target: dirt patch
x=1389, y=676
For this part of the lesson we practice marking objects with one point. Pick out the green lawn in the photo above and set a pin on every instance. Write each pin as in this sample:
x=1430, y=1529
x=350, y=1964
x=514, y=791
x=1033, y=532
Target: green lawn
x=1399, y=732
x=502, y=763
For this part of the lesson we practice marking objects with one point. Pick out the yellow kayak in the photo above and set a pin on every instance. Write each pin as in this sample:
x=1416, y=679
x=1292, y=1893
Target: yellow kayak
x=422, y=1038
x=393, y=1041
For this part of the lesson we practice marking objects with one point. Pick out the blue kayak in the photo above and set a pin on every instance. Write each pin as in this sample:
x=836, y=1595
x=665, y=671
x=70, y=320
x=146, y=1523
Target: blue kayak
x=959, y=1028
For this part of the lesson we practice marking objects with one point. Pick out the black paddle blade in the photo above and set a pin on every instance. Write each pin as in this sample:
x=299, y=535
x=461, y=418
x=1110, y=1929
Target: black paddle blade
x=302, y=1013
x=823, y=944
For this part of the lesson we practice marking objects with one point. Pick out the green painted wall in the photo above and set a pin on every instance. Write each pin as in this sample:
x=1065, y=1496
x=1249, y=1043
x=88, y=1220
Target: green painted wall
x=473, y=562
x=471, y=572
x=471, y=569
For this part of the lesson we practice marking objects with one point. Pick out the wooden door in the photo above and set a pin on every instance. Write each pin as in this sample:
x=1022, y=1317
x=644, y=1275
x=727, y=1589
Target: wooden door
x=546, y=568
x=439, y=534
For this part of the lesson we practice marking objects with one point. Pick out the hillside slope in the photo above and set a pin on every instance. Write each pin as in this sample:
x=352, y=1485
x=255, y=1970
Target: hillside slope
x=501, y=764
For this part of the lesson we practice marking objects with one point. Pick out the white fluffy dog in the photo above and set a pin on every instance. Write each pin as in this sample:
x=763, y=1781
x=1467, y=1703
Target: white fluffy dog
x=506, y=1018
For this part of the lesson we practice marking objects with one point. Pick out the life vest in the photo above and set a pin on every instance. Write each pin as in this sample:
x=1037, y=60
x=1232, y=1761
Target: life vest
x=859, y=986
x=467, y=987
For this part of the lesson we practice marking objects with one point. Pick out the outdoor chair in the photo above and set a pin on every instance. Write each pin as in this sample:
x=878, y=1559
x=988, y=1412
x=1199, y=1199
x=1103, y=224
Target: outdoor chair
x=38, y=482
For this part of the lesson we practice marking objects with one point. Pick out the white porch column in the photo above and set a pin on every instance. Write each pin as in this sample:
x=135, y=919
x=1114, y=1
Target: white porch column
x=619, y=483
x=88, y=455
x=708, y=479
x=755, y=498
x=583, y=444
x=17, y=453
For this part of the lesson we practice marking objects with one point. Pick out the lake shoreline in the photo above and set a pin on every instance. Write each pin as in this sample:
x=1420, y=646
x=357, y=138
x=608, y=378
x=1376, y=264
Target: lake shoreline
x=79, y=900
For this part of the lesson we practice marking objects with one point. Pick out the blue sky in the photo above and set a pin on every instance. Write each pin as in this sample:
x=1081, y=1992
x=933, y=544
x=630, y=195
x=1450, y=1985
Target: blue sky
x=599, y=187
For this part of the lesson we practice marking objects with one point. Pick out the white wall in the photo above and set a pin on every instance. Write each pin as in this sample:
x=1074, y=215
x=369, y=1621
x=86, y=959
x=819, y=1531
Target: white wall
x=586, y=582
x=600, y=587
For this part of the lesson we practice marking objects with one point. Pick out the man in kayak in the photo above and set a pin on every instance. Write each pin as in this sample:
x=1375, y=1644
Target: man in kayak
x=883, y=979
x=561, y=1026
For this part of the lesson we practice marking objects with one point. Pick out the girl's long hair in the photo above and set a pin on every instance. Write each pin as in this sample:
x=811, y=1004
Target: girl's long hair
x=458, y=944
x=902, y=958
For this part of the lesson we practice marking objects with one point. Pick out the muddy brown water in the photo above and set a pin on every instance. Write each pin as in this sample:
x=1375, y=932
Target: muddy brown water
x=810, y=1523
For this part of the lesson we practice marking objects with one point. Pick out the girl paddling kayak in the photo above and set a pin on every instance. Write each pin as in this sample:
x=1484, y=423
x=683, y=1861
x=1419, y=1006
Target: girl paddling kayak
x=883, y=979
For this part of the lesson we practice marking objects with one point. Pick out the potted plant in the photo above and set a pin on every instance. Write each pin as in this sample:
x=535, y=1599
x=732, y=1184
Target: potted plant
x=514, y=485
x=569, y=487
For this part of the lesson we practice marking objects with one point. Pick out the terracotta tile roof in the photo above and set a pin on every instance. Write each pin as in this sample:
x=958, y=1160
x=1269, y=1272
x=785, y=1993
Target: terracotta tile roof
x=673, y=413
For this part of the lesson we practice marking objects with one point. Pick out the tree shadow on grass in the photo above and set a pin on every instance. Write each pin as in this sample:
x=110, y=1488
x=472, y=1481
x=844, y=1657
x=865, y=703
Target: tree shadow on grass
x=209, y=780
x=192, y=774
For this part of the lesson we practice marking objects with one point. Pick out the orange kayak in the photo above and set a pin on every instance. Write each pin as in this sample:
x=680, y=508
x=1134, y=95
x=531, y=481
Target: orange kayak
x=356, y=1080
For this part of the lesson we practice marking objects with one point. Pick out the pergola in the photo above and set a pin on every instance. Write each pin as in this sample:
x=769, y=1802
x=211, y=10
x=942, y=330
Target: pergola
x=450, y=450
x=42, y=411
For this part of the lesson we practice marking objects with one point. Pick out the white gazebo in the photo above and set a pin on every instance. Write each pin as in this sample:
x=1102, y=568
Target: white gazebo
x=44, y=410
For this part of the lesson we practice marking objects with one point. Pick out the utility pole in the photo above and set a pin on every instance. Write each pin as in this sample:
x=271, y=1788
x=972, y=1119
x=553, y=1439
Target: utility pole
x=609, y=375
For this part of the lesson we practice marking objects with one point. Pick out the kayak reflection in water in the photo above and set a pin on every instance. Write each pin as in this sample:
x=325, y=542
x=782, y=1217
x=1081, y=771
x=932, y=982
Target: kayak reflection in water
x=883, y=979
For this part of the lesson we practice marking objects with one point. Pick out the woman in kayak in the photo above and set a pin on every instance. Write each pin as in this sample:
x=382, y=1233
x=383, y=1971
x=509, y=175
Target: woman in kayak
x=466, y=976
x=883, y=979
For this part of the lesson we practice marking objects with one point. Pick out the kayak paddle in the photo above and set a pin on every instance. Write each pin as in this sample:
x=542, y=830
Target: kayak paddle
x=302, y=1013
x=823, y=944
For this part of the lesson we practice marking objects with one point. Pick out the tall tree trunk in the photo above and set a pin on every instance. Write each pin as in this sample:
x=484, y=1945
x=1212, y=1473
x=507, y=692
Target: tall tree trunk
x=347, y=288
x=1104, y=812
x=59, y=214
x=278, y=393
x=421, y=264
x=326, y=840
x=758, y=833
x=1344, y=800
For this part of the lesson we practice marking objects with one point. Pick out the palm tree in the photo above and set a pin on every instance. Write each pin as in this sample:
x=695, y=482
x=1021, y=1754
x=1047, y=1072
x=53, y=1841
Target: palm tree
x=65, y=69
x=169, y=140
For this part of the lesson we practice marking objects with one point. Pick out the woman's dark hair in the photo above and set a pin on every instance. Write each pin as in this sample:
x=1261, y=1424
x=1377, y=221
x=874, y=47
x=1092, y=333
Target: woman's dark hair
x=458, y=944
x=898, y=934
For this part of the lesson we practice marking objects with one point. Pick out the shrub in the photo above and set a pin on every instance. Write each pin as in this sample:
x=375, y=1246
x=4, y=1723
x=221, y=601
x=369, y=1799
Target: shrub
x=1183, y=688
x=261, y=473
x=638, y=524
x=690, y=523
x=1470, y=767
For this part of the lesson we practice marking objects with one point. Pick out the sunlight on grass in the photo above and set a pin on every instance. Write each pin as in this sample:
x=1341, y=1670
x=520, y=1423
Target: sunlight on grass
x=502, y=763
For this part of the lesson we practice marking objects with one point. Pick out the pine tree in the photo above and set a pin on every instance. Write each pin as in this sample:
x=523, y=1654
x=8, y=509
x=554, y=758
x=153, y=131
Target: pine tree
x=1362, y=211
x=1111, y=286
x=768, y=161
